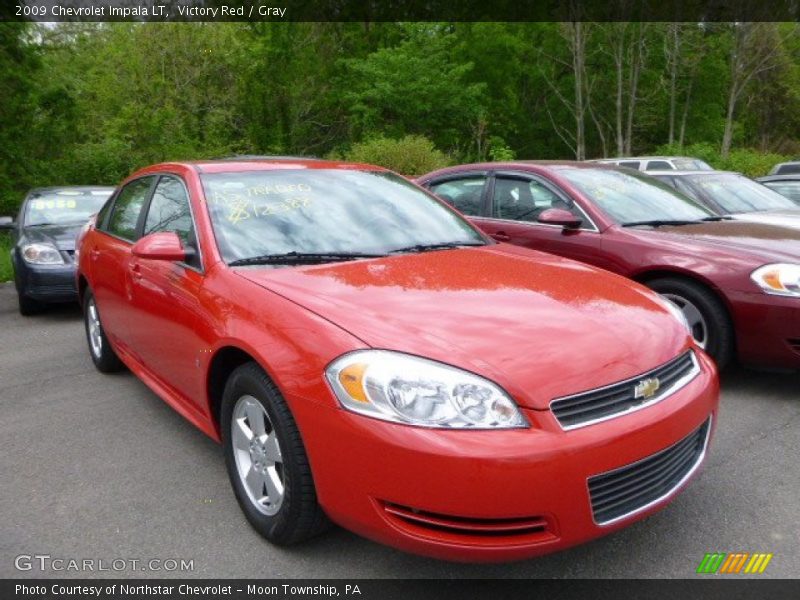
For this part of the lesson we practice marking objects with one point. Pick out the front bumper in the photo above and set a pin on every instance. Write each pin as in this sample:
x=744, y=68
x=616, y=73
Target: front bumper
x=768, y=330
x=47, y=283
x=488, y=495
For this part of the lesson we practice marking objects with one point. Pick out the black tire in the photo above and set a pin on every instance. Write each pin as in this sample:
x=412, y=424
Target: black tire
x=720, y=344
x=299, y=515
x=28, y=306
x=104, y=357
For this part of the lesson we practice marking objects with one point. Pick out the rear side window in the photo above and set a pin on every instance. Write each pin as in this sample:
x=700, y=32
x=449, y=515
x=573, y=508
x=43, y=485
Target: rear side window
x=463, y=194
x=788, y=169
x=631, y=164
x=128, y=208
x=658, y=165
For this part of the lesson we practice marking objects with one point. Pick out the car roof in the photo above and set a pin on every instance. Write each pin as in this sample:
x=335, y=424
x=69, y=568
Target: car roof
x=650, y=158
x=705, y=172
x=241, y=165
x=530, y=165
x=786, y=177
x=70, y=188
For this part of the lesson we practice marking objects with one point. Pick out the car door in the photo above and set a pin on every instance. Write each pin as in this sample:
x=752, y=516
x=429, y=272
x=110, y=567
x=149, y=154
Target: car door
x=165, y=299
x=110, y=256
x=515, y=201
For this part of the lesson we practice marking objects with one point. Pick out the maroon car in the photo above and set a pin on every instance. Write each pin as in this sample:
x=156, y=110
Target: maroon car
x=737, y=283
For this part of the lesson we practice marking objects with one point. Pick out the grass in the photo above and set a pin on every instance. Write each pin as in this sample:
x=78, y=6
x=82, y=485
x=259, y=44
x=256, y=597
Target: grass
x=6, y=274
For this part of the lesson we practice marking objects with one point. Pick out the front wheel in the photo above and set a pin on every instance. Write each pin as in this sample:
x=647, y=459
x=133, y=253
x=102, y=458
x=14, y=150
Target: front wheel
x=103, y=355
x=708, y=318
x=266, y=460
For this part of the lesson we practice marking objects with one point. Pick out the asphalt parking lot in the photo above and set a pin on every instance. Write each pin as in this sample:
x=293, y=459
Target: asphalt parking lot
x=97, y=466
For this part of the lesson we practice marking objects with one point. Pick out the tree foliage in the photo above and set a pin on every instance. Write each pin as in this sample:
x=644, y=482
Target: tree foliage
x=89, y=103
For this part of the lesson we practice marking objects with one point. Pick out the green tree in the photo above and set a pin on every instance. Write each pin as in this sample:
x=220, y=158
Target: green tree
x=419, y=86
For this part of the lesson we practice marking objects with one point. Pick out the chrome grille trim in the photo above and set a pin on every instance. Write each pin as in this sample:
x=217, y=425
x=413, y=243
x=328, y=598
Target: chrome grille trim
x=598, y=397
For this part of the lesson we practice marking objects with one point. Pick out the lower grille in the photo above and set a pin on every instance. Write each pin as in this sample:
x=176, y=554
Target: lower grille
x=477, y=530
x=624, y=491
x=597, y=405
x=58, y=289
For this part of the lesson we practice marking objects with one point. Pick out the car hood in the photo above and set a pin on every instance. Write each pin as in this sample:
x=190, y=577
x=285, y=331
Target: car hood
x=62, y=236
x=538, y=325
x=761, y=241
x=781, y=218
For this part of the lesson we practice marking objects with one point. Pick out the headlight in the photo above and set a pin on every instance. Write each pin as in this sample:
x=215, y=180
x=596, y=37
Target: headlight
x=677, y=313
x=778, y=279
x=415, y=391
x=42, y=254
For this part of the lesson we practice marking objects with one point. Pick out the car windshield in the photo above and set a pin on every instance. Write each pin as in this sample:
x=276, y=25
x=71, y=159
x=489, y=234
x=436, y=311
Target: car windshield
x=691, y=164
x=327, y=212
x=738, y=194
x=630, y=198
x=63, y=207
x=789, y=188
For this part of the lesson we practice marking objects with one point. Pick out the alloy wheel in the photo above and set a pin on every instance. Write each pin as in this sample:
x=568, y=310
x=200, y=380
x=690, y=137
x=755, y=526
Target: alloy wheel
x=697, y=323
x=257, y=453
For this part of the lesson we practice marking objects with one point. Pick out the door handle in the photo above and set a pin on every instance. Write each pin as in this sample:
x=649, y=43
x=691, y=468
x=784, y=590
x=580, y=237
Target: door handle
x=501, y=236
x=136, y=271
x=94, y=253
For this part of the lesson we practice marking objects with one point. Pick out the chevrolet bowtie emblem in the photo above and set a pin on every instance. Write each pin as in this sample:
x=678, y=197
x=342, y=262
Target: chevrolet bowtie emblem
x=646, y=388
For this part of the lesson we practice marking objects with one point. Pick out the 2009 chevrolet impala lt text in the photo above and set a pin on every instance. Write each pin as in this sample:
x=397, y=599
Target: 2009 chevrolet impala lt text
x=368, y=357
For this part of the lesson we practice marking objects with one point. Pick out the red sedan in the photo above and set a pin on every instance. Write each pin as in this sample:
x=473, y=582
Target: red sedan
x=365, y=355
x=737, y=283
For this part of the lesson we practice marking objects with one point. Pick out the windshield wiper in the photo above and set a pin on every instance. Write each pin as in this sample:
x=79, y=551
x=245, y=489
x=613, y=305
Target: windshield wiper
x=660, y=222
x=439, y=246
x=717, y=218
x=289, y=258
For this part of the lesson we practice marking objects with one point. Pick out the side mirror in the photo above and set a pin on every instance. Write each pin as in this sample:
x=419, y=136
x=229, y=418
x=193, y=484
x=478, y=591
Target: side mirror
x=559, y=216
x=163, y=245
x=6, y=223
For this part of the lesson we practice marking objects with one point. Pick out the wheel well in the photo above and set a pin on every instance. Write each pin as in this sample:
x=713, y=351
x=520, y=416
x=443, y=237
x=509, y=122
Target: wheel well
x=82, y=285
x=224, y=362
x=648, y=276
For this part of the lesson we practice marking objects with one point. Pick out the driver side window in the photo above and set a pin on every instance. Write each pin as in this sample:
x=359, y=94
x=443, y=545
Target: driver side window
x=524, y=199
x=169, y=211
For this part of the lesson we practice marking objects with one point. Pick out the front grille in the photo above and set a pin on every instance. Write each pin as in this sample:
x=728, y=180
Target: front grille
x=624, y=491
x=469, y=529
x=611, y=401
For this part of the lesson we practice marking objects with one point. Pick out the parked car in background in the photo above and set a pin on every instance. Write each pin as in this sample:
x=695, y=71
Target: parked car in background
x=44, y=242
x=786, y=185
x=787, y=168
x=734, y=195
x=657, y=163
x=366, y=355
x=737, y=282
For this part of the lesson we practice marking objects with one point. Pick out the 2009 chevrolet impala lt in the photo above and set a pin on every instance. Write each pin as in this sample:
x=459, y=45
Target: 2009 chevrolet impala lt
x=365, y=355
